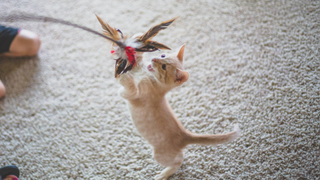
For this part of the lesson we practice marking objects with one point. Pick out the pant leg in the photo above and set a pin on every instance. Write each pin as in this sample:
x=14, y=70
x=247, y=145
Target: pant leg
x=7, y=34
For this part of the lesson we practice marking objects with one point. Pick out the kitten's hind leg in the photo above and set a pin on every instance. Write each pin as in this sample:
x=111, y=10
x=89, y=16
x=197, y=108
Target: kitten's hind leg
x=172, y=167
x=130, y=90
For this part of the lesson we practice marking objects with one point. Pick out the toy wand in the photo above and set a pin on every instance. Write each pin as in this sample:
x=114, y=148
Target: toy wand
x=127, y=47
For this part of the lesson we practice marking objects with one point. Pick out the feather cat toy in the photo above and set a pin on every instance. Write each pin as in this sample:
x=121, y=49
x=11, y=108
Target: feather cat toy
x=126, y=52
x=123, y=48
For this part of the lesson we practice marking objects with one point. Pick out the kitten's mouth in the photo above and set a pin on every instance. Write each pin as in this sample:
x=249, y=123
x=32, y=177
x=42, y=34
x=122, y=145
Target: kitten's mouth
x=150, y=68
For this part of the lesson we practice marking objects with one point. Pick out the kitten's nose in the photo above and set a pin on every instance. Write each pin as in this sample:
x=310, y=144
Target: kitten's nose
x=154, y=60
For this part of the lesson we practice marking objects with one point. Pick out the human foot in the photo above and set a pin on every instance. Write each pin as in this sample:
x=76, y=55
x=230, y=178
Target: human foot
x=2, y=89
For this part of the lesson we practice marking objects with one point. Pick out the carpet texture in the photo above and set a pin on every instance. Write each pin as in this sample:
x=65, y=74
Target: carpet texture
x=256, y=63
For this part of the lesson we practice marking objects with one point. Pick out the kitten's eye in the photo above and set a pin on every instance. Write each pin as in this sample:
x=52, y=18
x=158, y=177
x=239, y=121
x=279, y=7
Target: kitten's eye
x=163, y=56
x=163, y=66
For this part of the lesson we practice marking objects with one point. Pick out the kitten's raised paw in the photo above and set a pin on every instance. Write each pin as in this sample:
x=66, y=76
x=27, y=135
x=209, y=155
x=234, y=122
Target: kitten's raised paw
x=126, y=78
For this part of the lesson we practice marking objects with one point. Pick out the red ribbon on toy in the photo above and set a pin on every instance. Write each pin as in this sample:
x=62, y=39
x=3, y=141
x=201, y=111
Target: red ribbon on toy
x=131, y=53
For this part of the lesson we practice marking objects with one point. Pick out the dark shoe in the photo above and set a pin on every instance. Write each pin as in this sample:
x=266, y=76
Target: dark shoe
x=9, y=170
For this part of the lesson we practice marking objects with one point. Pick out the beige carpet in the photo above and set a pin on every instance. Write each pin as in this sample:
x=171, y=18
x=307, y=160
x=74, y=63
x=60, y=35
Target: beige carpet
x=256, y=63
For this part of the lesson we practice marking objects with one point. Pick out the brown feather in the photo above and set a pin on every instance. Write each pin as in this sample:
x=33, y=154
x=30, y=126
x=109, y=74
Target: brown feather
x=155, y=29
x=120, y=66
x=151, y=46
x=158, y=45
x=108, y=30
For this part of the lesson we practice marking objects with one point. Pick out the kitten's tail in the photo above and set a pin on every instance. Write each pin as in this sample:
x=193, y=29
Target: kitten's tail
x=214, y=139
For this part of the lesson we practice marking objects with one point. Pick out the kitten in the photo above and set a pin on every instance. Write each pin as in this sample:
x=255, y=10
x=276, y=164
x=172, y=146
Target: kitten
x=145, y=89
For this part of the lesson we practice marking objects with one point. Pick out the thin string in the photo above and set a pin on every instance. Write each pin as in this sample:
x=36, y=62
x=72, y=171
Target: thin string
x=38, y=18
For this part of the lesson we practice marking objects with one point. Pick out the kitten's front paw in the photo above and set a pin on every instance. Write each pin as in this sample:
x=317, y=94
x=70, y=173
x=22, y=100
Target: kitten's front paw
x=126, y=78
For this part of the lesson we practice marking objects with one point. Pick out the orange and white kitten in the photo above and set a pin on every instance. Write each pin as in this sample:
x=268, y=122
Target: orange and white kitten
x=145, y=89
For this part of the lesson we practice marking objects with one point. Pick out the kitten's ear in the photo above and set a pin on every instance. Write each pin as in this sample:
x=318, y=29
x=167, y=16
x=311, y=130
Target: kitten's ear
x=181, y=52
x=181, y=76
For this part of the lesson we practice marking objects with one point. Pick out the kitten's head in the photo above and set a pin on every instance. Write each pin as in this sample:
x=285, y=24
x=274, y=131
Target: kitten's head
x=169, y=70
